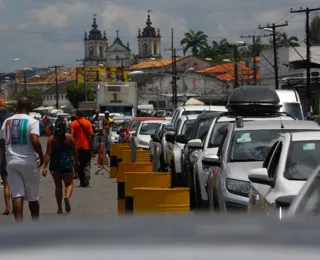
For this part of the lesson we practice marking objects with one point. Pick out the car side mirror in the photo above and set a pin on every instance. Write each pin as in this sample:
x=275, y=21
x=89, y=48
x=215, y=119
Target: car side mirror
x=181, y=139
x=284, y=201
x=170, y=138
x=195, y=144
x=211, y=160
x=262, y=180
x=262, y=172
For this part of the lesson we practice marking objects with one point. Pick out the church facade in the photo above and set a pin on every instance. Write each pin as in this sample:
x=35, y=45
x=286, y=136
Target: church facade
x=98, y=52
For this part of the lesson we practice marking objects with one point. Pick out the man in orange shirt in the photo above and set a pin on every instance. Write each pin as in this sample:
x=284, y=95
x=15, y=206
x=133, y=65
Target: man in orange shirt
x=81, y=129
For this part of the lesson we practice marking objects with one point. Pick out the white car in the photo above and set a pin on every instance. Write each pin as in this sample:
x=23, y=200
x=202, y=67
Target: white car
x=290, y=162
x=184, y=126
x=143, y=134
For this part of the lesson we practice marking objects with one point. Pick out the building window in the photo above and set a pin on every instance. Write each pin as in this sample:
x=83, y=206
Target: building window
x=44, y=98
x=155, y=49
x=50, y=97
x=61, y=97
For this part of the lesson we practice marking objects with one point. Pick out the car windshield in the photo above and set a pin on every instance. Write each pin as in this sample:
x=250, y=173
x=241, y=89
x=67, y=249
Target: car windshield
x=219, y=131
x=187, y=128
x=293, y=109
x=148, y=128
x=309, y=204
x=254, y=145
x=302, y=159
x=203, y=128
x=134, y=125
x=191, y=112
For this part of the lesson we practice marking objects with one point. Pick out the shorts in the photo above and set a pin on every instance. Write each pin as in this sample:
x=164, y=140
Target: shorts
x=62, y=173
x=24, y=180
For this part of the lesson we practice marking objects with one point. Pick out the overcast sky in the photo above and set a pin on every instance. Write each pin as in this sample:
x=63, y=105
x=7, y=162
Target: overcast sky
x=50, y=32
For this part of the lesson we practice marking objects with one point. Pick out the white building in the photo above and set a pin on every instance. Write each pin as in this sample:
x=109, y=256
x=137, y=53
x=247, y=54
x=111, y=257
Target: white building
x=158, y=90
x=49, y=97
x=118, y=54
x=149, y=42
x=289, y=60
x=95, y=45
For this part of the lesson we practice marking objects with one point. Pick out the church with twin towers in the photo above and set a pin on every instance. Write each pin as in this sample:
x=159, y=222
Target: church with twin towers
x=100, y=49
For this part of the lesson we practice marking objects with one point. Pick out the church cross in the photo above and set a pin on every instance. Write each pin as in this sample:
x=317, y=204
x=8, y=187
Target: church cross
x=117, y=31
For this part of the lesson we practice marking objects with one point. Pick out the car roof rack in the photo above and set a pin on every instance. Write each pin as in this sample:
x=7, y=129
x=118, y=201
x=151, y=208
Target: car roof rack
x=249, y=100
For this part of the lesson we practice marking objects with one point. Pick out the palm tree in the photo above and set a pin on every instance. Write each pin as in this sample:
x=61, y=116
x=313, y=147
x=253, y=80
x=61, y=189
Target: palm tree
x=315, y=30
x=223, y=48
x=285, y=41
x=194, y=40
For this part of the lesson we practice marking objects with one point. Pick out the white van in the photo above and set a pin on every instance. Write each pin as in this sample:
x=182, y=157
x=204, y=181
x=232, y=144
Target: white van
x=290, y=103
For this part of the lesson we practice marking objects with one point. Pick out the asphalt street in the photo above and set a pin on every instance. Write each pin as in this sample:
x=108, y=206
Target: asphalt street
x=97, y=201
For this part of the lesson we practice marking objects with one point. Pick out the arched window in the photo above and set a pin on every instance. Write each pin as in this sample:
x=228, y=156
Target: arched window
x=101, y=52
x=155, y=48
x=90, y=52
x=145, y=50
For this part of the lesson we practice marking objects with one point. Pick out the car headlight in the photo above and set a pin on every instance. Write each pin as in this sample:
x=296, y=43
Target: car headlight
x=241, y=188
x=143, y=143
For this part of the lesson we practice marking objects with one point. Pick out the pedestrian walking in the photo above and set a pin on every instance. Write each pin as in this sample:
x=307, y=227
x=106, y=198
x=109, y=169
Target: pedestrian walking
x=20, y=141
x=46, y=123
x=61, y=150
x=108, y=122
x=82, y=131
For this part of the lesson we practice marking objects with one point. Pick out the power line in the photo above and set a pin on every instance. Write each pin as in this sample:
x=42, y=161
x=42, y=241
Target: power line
x=273, y=27
x=55, y=67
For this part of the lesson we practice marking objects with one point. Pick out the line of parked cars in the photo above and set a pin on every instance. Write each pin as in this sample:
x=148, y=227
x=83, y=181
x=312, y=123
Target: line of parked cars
x=251, y=156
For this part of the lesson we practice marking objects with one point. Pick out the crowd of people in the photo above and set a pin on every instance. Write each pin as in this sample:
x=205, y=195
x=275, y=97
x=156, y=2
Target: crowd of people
x=68, y=157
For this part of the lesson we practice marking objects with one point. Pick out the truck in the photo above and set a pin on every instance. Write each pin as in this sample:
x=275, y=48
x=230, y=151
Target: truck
x=119, y=98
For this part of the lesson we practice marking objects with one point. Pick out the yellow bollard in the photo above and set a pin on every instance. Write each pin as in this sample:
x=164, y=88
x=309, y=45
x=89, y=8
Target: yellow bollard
x=141, y=155
x=128, y=167
x=161, y=200
x=113, y=158
x=143, y=179
x=121, y=207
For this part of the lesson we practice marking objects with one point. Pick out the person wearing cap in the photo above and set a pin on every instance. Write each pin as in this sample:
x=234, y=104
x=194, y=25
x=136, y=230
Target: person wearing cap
x=108, y=122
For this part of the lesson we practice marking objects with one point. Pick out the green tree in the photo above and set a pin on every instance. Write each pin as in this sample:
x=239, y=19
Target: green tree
x=315, y=30
x=194, y=40
x=34, y=95
x=286, y=41
x=76, y=94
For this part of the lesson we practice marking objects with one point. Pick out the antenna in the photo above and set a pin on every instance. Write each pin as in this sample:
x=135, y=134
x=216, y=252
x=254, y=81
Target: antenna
x=282, y=126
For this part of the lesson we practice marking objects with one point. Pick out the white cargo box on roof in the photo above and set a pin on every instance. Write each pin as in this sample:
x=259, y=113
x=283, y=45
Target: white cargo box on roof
x=290, y=103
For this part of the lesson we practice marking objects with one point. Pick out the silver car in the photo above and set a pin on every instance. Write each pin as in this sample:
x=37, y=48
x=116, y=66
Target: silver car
x=244, y=148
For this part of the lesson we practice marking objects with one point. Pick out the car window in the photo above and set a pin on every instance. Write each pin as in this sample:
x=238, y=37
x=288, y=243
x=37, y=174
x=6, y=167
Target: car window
x=274, y=162
x=303, y=158
x=134, y=125
x=177, y=126
x=203, y=128
x=187, y=128
x=175, y=115
x=253, y=145
x=293, y=109
x=190, y=112
x=219, y=131
x=148, y=128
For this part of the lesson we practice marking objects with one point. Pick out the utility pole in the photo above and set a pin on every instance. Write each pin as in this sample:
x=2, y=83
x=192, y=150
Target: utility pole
x=308, y=67
x=274, y=34
x=84, y=63
x=254, y=54
x=236, y=75
x=55, y=67
x=25, y=83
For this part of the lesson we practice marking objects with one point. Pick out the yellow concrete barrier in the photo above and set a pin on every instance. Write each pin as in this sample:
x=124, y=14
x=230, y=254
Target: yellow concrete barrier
x=161, y=200
x=132, y=167
x=114, y=148
x=129, y=167
x=141, y=155
x=143, y=179
x=114, y=158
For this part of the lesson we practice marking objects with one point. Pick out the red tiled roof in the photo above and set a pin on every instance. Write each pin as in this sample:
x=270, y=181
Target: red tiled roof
x=64, y=74
x=222, y=68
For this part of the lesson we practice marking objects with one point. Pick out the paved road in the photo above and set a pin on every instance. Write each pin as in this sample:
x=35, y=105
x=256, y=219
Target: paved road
x=97, y=201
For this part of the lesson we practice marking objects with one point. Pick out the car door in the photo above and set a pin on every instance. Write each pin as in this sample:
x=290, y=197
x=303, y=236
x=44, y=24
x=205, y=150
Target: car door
x=170, y=145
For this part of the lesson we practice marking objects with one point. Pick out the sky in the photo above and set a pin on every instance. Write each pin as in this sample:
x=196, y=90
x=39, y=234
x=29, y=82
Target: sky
x=43, y=33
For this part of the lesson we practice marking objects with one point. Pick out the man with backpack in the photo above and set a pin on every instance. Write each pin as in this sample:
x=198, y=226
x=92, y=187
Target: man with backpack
x=81, y=129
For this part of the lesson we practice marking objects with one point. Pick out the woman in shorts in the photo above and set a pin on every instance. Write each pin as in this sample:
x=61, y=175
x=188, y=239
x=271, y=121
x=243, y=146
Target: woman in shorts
x=60, y=153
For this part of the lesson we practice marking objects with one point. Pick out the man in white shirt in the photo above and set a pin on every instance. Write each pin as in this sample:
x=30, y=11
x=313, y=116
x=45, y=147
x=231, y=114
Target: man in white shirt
x=19, y=137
